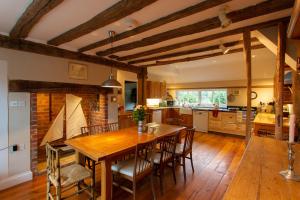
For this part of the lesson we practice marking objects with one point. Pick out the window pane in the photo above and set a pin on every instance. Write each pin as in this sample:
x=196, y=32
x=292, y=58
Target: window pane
x=203, y=98
x=187, y=97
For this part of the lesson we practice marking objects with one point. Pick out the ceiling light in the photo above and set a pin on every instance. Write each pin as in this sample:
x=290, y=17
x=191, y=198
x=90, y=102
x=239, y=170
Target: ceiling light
x=130, y=23
x=111, y=82
x=225, y=21
x=224, y=49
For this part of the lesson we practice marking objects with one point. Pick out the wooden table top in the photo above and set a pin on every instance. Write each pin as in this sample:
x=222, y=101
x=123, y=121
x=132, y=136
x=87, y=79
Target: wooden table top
x=101, y=146
x=258, y=174
x=269, y=119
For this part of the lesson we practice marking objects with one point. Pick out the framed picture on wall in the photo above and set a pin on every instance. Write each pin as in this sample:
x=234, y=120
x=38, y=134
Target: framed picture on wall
x=78, y=71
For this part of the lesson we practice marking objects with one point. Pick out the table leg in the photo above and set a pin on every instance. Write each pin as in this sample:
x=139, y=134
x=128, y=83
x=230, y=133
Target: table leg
x=106, y=180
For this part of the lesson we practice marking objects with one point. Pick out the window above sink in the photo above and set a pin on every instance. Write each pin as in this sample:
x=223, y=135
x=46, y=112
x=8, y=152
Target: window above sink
x=207, y=98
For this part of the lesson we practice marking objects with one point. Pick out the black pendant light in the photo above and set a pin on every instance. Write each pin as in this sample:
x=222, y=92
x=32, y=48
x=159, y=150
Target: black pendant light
x=111, y=82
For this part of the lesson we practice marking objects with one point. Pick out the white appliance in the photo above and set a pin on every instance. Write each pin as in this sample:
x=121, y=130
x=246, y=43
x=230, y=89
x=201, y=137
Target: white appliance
x=156, y=116
x=200, y=120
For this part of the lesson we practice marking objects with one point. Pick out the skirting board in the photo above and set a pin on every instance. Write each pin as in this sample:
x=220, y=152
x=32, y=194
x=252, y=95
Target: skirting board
x=15, y=180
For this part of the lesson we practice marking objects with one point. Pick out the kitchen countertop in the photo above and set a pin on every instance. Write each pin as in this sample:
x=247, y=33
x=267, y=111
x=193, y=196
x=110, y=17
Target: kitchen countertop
x=204, y=109
x=269, y=119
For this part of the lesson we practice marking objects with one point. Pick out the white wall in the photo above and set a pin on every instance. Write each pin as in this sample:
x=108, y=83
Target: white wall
x=30, y=66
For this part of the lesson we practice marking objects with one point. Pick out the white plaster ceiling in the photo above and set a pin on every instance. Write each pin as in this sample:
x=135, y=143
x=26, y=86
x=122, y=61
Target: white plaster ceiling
x=220, y=68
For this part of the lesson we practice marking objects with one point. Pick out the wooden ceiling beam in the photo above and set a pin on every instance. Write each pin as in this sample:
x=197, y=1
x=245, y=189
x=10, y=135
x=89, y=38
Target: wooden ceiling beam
x=33, y=47
x=116, y=12
x=159, y=22
x=187, y=59
x=260, y=9
x=192, y=51
x=204, y=39
x=34, y=12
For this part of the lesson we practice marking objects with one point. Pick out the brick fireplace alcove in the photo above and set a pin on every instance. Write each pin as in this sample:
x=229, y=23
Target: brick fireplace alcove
x=47, y=99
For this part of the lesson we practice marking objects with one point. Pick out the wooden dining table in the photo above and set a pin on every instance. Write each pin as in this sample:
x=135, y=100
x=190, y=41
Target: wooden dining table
x=105, y=147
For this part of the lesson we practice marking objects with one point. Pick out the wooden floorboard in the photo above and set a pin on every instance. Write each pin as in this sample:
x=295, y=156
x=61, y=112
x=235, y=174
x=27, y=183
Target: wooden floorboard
x=216, y=158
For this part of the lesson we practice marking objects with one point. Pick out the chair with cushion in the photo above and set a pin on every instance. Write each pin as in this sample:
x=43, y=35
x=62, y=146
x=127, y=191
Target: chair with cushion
x=166, y=156
x=65, y=178
x=183, y=150
x=136, y=167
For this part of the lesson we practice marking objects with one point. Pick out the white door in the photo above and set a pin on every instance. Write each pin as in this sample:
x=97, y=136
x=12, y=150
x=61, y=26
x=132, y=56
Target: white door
x=3, y=121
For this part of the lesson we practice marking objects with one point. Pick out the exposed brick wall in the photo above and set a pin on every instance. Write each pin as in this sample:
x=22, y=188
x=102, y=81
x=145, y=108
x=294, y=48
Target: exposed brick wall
x=33, y=133
x=43, y=110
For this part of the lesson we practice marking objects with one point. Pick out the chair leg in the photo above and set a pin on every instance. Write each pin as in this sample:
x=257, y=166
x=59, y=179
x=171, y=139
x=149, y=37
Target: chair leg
x=133, y=189
x=48, y=189
x=173, y=169
x=58, y=193
x=152, y=186
x=192, y=161
x=161, y=176
x=183, y=164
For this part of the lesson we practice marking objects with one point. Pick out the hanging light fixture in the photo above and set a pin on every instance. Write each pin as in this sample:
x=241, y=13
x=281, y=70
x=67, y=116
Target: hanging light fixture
x=225, y=21
x=111, y=82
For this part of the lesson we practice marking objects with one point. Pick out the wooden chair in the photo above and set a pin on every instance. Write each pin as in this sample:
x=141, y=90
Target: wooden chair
x=65, y=178
x=137, y=167
x=166, y=156
x=92, y=130
x=113, y=126
x=183, y=150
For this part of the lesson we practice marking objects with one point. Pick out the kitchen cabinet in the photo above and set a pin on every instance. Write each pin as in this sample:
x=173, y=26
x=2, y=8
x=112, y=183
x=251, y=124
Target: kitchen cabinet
x=156, y=89
x=226, y=122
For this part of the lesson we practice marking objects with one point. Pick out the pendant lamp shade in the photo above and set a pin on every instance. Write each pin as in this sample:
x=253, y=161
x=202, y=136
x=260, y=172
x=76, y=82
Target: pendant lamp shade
x=111, y=82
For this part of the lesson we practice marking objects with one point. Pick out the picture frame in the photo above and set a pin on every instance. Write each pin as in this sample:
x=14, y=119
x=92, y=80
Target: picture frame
x=78, y=71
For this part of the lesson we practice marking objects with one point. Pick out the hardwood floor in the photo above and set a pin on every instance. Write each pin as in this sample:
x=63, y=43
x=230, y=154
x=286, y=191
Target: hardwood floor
x=216, y=158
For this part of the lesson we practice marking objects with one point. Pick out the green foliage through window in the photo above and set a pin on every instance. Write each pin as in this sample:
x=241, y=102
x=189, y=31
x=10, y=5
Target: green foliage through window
x=203, y=98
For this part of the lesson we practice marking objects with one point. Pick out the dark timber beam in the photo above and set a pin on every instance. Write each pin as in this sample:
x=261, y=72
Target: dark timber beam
x=279, y=73
x=296, y=96
x=260, y=9
x=116, y=12
x=188, y=52
x=247, y=56
x=33, y=47
x=205, y=39
x=142, y=86
x=187, y=59
x=34, y=12
x=159, y=22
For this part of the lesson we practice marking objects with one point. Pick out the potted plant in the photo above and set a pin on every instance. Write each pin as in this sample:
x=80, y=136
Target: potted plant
x=139, y=114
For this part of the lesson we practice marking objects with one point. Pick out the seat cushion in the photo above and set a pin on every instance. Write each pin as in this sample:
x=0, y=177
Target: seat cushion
x=156, y=158
x=179, y=148
x=73, y=173
x=126, y=167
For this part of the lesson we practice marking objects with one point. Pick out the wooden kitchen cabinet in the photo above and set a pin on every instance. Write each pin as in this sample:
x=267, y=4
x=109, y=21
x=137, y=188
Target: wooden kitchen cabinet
x=156, y=89
x=226, y=122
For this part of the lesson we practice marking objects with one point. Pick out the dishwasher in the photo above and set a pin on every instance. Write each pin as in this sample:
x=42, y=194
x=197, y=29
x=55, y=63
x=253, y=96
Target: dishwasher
x=200, y=120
